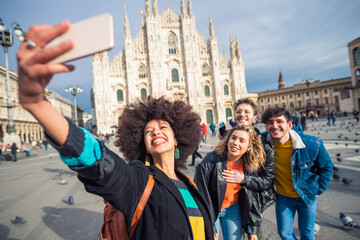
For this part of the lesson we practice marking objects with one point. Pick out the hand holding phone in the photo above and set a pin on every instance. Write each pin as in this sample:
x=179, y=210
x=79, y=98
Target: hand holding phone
x=90, y=36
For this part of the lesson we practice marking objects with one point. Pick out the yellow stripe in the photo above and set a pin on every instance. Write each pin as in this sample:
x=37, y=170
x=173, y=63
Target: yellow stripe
x=198, y=227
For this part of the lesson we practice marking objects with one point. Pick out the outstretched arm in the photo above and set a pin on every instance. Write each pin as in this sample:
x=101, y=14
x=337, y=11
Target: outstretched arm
x=34, y=74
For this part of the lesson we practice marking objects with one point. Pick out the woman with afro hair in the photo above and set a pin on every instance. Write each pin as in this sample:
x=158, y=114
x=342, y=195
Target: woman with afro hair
x=155, y=131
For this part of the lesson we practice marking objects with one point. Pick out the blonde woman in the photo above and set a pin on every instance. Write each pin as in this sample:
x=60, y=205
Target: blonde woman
x=221, y=179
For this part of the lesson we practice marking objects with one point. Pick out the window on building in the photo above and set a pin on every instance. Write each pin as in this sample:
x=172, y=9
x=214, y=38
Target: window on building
x=283, y=105
x=276, y=105
x=174, y=75
x=290, y=95
x=307, y=94
x=335, y=89
x=205, y=70
x=316, y=92
x=142, y=71
x=262, y=100
x=291, y=105
x=209, y=116
x=143, y=94
x=356, y=55
x=325, y=91
x=299, y=103
x=283, y=97
x=336, y=98
x=120, y=95
x=317, y=101
x=268, y=99
x=172, y=43
x=226, y=90
x=275, y=98
x=207, y=91
x=326, y=100
x=298, y=94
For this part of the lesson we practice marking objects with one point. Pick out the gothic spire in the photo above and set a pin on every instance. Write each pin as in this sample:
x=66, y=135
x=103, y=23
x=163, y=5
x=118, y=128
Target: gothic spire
x=155, y=7
x=183, y=10
x=126, y=23
x=147, y=8
x=238, y=52
x=211, y=28
x=281, y=81
x=190, y=10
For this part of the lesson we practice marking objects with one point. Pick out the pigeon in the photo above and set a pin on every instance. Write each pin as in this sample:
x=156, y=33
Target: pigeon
x=339, y=159
x=18, y=221
x=347, y=221
x=339, y=136
x=316, y=228
x=355, y=140
x=346, y=144
x=335, y=169
x=336, y=176
x=71, y=200
x=63, y=182
x=336, y=143
x=346, y=138
x=357, y=134
x=346, y=180
x=57, y=176
x=357, y=150
x=338, y=154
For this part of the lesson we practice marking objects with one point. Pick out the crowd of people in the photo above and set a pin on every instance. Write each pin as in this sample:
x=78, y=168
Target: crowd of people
x=233, y=185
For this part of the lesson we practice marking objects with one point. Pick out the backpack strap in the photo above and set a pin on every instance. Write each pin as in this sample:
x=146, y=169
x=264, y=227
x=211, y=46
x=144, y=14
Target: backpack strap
x=141, y=205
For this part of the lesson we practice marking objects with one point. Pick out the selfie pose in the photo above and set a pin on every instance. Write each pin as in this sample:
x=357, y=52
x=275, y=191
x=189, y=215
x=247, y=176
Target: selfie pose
x=220, y=177
x=151, y=131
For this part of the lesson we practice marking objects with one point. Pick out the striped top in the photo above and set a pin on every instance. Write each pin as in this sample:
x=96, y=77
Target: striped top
x=195, y=216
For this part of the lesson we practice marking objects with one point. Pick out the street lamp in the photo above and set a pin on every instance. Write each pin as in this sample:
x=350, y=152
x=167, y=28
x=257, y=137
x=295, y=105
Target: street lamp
x=308, y=81
x=74, y=90
x=7, y=40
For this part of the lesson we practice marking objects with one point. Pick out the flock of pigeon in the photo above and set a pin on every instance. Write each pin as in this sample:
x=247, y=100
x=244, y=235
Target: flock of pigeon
x=347, y=133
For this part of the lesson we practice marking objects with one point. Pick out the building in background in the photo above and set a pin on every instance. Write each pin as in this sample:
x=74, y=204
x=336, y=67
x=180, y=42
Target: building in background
x=341, y=95
x=26, y=125
x=316, y=97
x=168, y=57
x=354, y=55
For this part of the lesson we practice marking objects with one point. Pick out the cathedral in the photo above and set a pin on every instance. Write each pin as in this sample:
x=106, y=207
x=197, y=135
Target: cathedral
x=168, y=57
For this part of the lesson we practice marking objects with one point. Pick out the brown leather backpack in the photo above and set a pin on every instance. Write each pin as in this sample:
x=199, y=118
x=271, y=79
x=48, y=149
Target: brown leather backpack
x=114, y=227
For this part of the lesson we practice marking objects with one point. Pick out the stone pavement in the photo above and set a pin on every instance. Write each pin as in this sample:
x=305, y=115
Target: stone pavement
x=31, y=189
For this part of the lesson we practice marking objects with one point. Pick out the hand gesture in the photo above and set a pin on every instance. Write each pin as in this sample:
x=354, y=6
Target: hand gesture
x=233, y=176
x=34, y=71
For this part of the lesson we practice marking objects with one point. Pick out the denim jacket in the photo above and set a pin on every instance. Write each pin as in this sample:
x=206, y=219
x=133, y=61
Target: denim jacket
x=311, y=165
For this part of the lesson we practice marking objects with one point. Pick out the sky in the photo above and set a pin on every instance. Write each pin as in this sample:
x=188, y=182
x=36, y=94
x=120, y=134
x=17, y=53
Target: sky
x=302, y=39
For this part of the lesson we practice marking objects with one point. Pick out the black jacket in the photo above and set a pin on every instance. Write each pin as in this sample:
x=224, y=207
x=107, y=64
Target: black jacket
x=256, y=195
x=165, y=215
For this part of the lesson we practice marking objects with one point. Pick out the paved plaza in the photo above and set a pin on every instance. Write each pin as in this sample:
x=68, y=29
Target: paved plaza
x=30, y=188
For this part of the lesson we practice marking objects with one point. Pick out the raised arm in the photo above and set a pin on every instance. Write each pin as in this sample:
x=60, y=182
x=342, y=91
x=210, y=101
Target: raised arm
x=34, y=74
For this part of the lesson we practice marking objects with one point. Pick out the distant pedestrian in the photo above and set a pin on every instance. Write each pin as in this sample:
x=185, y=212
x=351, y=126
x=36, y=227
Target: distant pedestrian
x=333, y=117
x=204, y=132
x=45, y=143
x=356, y=115
x=303, y=121
x=13, y=151
x=1, y=146
x=194, y=155
x=328, y=118
x=297, y=123
x=212, y=128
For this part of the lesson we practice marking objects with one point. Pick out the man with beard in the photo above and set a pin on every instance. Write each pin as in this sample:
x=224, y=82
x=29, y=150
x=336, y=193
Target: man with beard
x=303, y=171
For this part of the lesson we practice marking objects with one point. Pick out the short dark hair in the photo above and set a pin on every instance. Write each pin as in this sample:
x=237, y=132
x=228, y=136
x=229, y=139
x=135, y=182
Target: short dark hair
x=275, y=112
x=184, y=122
x=247, y=101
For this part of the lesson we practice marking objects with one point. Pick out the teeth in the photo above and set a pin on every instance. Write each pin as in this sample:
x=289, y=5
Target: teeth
x=157, y=141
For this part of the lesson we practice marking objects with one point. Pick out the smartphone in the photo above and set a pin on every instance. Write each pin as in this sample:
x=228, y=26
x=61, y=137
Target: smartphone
x=90, y=36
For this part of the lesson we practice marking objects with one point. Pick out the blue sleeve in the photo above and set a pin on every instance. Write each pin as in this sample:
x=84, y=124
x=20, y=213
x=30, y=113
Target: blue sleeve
x=90, y=153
